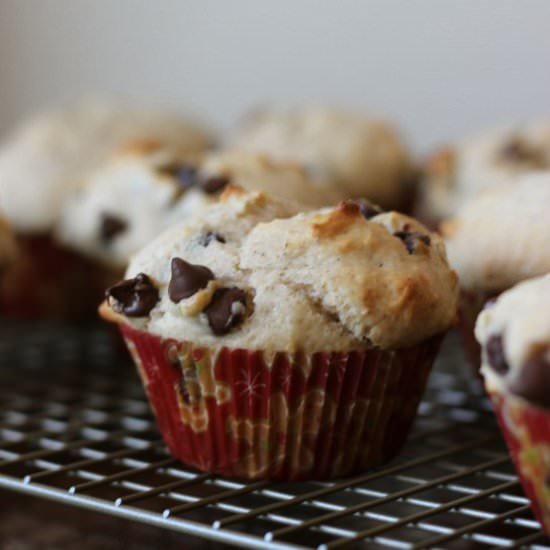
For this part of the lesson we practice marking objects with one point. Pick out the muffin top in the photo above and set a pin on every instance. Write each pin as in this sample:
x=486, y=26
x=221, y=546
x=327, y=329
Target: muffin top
x=455, y=174
x=514, y=332
x=342, y=278
x=146, y=188
x=47, y=157
x=501, y=236
x=352, y=154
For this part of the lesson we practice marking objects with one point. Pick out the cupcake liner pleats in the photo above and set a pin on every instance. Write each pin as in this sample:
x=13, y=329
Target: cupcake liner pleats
x=254, y=415
x=526, y=429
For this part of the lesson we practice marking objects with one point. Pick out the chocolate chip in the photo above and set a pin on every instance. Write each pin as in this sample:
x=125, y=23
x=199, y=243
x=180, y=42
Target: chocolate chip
x=134, y=297
x=206, y=238
x=226, y=310
x=110, y=226
x=533, y=380
x=409, y=239
x=214, y=184
x=184, y=174
x=367, y=209
x=187, y=279
x=494, y=349
x=520, y=152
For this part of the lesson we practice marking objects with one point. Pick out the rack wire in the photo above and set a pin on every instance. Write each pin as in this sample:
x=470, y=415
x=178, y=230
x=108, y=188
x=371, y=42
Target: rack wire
x=75, y=427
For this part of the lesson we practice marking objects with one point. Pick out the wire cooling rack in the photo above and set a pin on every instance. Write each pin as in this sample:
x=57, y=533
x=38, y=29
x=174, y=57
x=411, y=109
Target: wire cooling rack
x=75, y=427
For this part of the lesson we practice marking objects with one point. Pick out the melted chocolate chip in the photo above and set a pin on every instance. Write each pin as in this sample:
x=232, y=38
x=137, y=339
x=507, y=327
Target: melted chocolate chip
x=134, y=297
x=206, y=238
x=214, y=184
x=410, y=238
x=187, y=279
x=226, y=310
x=367, y=209
x=110, y=226
x=185, y=174
x=533, y=381
x=494, y=349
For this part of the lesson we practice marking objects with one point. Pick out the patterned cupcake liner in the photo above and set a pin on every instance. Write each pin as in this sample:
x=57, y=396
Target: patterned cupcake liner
x=526, y=429
x=282, y=416
x=47, y=280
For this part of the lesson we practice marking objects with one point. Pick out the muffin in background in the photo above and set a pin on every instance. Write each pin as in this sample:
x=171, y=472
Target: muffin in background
x=146, y=188
x=286, y=347
x=514, y=333
x=496, y=240
x=352, y=154
x=457, y=173
x=41, y=164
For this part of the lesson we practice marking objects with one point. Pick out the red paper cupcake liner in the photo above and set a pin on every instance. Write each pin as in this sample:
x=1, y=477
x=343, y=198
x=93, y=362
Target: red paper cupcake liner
x=282, y=416
x=526, y=429
x=47, y=280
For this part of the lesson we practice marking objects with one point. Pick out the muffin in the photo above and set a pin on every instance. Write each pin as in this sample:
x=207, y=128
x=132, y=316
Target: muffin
x=146, y=188
x=286, y=347
x=455, y=174
x=497, y=240
x=41, y=164
x=514, y=333
x=351, y=154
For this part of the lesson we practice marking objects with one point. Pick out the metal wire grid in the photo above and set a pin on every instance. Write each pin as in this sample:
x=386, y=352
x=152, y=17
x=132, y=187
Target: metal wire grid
x=75, y=427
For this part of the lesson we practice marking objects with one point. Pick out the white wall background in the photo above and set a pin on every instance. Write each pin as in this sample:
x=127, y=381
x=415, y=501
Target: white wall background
x=442, y=68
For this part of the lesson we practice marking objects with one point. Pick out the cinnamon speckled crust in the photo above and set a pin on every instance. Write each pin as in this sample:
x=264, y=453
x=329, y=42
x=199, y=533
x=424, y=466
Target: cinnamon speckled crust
x=135, y=188
x=318, y=281
x=521, y=317
x=47, y=157
x=351, y=154
x=501, y=237
x=455, y=174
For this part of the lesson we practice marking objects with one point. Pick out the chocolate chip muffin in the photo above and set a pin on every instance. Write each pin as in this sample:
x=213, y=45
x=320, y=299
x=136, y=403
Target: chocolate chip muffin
x=514, y=332
x=497, y=240
x=146, y=188
x=455, y=174
x=278, y=336
x=351, y=154
x=41, y=164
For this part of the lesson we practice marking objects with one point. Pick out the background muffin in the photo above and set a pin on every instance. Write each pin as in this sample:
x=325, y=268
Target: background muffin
x=496, y=240
x=318, y=329
x=49, y=155
x=352, y=154
x=457, y=173
x=41, y=164
x=515, y=336
x=146, y=188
